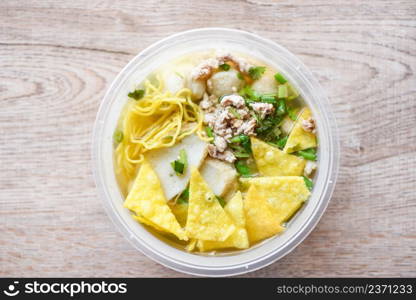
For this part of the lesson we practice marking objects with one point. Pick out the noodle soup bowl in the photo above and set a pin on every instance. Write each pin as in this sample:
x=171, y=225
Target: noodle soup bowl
x=231, y=262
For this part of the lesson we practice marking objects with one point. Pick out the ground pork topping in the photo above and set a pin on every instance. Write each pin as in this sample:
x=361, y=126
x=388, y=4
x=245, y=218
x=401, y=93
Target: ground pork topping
x=241, y=64
x=227, y=119
x=206, y=68
x=309, y=125
x=208, y=103
x=247, y=127
x=227, y=155
x=233, y=100
x=220, y=143
x=263, y=109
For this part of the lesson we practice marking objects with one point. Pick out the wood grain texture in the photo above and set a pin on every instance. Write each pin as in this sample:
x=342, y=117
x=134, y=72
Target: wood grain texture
x=57, y=58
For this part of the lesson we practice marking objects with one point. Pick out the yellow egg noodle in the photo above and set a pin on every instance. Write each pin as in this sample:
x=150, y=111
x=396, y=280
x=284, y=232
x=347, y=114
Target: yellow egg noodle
x=158, y=120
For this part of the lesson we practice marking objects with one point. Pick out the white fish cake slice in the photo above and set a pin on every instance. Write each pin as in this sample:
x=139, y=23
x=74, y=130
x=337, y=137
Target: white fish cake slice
x=160, y=159
x=220, y=176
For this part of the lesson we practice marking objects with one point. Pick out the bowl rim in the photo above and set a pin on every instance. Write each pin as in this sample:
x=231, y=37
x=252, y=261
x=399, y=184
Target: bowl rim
x=308, y=225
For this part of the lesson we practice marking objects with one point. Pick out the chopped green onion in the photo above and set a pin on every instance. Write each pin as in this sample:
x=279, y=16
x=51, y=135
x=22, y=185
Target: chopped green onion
x=282, y=92
x=225, y=67
x=184, y=197
x=209, y=132
x=241, y=154
x=280, y=78
x=248, y=94
x=281, y=143
x=292, y=92
x=239, y=138
x=177, y=166
x=292, y=112
x=221, y=200
x=277, y=131
x=180, y=164
x=240, y=76
x=183, y=158
x=242, y=168
x=234, y=112
x=268, y=98
x=137, y=94
x=255, y=116
x=245, y=142
x=267, y=125
x=281, y=107
x=256, y=72
x=239, y=151
x=308, y=182
x=309, y=154
x=118, y=136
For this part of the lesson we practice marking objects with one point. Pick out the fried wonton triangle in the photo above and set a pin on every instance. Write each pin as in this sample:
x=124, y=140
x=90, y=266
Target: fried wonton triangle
x=262, y=221
x=206, y=220
x=299, y=139
x=271, y=161
x=148, y=201
x=285, y=193
x=239, y=239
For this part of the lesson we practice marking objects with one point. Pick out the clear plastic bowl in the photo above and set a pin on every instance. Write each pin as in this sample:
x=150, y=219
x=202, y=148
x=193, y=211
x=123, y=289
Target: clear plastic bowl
x=237, y=262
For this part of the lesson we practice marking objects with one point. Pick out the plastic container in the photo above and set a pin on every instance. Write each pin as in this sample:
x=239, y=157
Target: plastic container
x=232, y=263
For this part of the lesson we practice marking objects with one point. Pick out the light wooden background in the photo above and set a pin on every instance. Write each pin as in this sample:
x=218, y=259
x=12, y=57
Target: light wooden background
x=57, y=58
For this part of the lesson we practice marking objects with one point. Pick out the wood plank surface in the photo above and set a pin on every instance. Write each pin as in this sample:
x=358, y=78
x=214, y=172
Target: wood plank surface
x=57, y=58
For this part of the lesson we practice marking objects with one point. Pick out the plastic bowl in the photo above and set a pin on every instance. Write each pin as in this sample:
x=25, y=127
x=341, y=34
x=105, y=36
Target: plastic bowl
x=237, y=262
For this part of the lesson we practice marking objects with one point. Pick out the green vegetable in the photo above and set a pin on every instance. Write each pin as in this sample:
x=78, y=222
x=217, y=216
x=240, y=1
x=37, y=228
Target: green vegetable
x=281, y=142
x=277, y=131
x=292, y=92
x=280, y=78
x=308, y=182
x=249, y=95
x=268, y=124
x=244, y=141
x=178, y=167
x=256, y=72
x=282, y=92
x=183, y=158
x=209, y=132
x=242, y=168
x=225, y=67
x=239, y=151
x=268, y=98
x=221, y=200
x=292, y=112
x=309, y=154
x=281, y=108
x=184, y=197
x=240, y=76
x=241, y=154
x=239, y=138
x=118, y=136
x=137, y=94
x=180, y=164
x=234, y=112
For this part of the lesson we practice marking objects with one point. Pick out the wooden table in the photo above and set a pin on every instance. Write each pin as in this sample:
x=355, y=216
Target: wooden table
x=57, y=58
